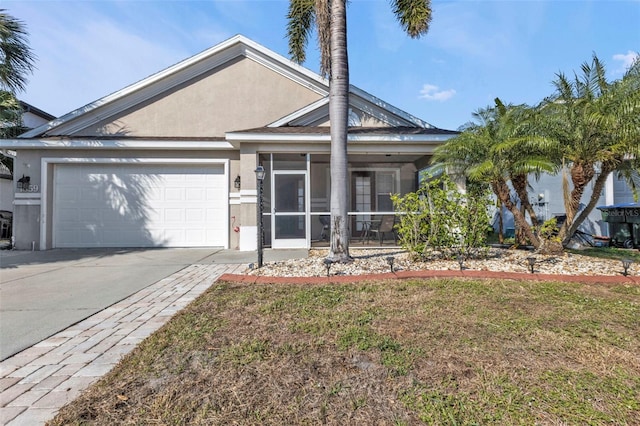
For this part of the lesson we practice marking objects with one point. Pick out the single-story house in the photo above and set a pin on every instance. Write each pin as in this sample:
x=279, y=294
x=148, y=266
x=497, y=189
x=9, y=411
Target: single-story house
x=170, y=161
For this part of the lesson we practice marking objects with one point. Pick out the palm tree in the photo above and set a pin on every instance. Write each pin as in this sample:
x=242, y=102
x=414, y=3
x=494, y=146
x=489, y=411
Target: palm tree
x=16, y=61
x=497, y=151
x=16, y=58
x=596, y=126
x=330, y=19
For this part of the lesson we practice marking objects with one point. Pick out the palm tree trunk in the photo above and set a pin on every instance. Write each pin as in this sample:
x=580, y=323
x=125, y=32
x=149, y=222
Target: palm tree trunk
x=500, y=223
x=581, y=175
x=521, y=236
x=338, y=116
x=520, y=184
x=595, y=196
x=501, y=189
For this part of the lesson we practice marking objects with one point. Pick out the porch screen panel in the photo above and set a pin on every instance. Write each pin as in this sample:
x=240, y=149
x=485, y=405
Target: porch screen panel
x=385, y=186
x=362, y=186
x=290, y=198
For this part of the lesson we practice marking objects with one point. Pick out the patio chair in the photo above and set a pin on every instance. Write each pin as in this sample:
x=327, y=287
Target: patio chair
x=325, y=221
x=385, y=227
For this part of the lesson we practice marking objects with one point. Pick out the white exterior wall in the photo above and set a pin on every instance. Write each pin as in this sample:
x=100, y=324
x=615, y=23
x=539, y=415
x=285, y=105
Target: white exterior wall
x=621, y=191
x=547, y=199
x=31, y=120
x=6, y=194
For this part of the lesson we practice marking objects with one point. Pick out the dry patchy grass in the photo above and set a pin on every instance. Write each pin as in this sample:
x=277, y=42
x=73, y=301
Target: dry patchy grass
x=383, y=353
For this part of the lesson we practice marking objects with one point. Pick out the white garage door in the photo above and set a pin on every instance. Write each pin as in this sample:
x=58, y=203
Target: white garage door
x=134, y=205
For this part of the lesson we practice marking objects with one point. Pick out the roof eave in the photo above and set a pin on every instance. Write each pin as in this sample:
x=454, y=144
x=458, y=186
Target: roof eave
x=325, y=137
x=89, y=143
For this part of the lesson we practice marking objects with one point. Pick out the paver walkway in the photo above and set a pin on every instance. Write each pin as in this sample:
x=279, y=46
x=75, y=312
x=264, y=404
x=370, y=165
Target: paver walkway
x=37, y=382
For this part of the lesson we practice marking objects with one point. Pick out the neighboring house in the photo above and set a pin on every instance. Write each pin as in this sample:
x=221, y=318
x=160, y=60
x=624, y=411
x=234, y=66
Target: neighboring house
x=169, y=161
x=548, y=202
x=31, y=117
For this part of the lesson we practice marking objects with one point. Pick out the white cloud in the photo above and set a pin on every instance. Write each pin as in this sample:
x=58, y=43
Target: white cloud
x=627, y=59
x=433, y=93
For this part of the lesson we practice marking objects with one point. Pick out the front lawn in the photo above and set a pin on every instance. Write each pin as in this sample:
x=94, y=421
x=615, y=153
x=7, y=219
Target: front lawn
x=610, y=253
x=394, y=352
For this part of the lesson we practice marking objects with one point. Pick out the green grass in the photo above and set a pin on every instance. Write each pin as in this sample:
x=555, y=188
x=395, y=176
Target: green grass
x=436, y=352
x=609, y=253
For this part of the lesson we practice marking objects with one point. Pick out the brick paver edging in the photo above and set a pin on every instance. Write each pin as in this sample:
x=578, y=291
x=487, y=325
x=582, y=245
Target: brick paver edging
x=587, y=279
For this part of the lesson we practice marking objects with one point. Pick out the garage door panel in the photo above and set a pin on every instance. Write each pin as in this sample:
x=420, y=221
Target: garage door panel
x=88, y=194
x=139, y=205
x=194, y=216
x=68, y=194
x=174, y=194
x=69, y=216
x=173, y=216
x=194, y=234
x=87, y=215
x=194, y=194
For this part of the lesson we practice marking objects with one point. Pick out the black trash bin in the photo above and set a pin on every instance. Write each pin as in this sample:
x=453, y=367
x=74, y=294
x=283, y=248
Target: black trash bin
x=624, y=224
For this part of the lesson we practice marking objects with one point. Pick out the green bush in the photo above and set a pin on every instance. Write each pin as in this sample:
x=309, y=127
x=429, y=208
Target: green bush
x=438, y=220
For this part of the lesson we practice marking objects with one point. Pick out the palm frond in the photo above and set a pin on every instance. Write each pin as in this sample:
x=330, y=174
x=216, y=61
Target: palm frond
x=16, y=58
x=414, y=16
x=323, y=25
x=300, y=20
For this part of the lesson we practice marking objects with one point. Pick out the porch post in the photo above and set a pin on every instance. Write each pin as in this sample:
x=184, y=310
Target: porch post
x=260, y=179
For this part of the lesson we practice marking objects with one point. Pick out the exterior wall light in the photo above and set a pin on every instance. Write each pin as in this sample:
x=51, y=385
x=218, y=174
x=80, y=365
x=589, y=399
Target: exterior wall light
x=236, y=183
x=23, y=183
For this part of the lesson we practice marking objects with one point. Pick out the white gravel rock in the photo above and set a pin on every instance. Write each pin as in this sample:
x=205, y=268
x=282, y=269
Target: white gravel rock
x=372, y=261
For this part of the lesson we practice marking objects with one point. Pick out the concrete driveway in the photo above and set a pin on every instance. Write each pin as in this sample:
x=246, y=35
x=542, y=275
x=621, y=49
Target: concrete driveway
x=44, y=292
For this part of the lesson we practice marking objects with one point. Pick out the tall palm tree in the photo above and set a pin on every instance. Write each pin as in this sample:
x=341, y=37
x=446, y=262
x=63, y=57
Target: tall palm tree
x=596, y=126
x=330, y=19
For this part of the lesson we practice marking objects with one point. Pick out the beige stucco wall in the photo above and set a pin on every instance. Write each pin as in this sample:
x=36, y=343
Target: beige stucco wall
x=237, y=96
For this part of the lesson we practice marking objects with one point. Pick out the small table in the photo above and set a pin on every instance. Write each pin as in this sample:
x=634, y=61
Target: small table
x=366, y=226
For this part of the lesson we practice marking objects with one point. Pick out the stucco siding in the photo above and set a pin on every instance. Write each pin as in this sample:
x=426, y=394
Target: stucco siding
x=240, y=95
x=622, y=193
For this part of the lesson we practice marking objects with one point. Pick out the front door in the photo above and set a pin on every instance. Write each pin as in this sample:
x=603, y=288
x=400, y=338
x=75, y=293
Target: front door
x=289, y=218
x=361, y=201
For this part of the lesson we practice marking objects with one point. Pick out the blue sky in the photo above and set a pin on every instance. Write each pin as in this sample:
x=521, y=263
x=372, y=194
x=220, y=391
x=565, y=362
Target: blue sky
x=474, y=51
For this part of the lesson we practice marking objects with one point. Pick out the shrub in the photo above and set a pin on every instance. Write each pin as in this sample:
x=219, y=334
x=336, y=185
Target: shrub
x=439, y=220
